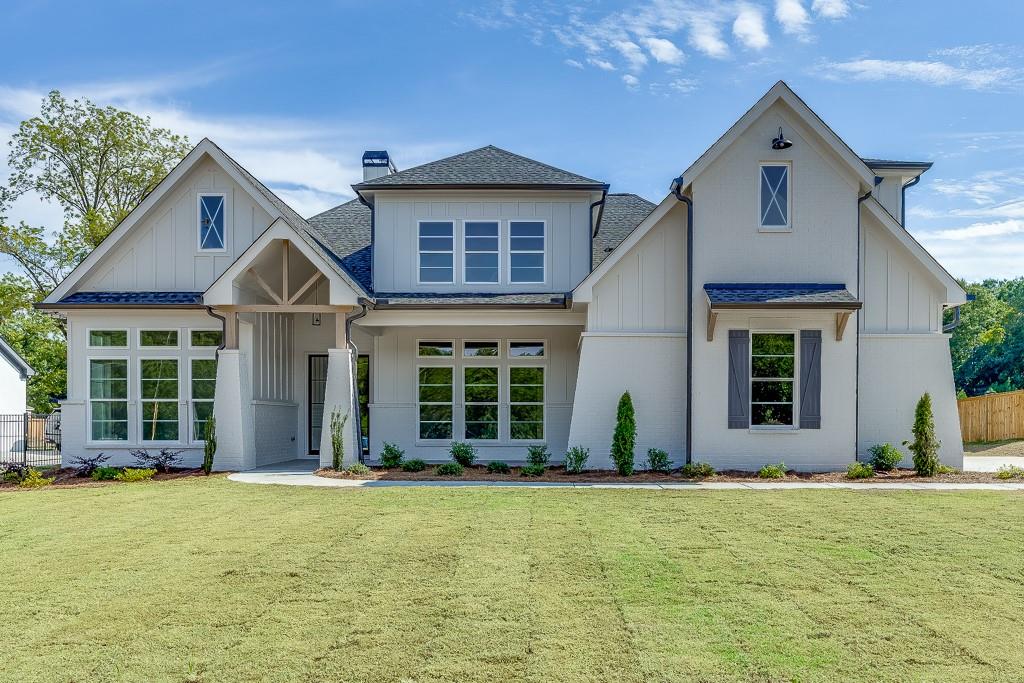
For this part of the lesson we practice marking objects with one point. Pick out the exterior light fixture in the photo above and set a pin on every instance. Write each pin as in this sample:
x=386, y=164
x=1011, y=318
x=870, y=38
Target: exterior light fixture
x=781, y=142
x=316, y=320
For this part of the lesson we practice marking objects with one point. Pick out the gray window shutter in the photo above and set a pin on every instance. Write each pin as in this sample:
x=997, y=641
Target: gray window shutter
x=739, y=379
x=810, y=379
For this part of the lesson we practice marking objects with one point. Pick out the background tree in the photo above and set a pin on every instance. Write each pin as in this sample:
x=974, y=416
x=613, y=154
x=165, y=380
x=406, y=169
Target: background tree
x=987, y=348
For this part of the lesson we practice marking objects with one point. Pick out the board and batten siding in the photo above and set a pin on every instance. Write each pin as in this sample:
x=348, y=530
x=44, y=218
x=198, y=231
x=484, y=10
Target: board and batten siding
x=273, y=339
x=161, y=253
x=567, y=215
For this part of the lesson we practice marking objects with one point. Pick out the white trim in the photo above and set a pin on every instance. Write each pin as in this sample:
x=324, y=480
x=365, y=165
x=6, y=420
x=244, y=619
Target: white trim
x=544, y=252
x=464, y=251
x=416, y=377
x=794, y=417
x=671, y=335
x=199, y=222
x=497, y=348
x=190, y=330
x=543, y=402
x=788, y=227
x=141, y=347
x=89, y=441
x=455, y=348
x=127, y=338
x=420, y=252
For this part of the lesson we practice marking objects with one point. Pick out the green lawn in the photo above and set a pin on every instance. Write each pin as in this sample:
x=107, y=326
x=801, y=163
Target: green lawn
x=209, y=580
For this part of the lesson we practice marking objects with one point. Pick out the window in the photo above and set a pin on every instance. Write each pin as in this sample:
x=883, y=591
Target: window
x=480, y=349
x=211, y=222
x=435, y=402
x=162, y=339
x=203, y=381
x=481, y=246
x=526, y=402
x=108, y=399
x=526, y=251
x=110, y=339
x=158, y=388
x=774, y=196
x=205, y=338
x=433, y=349
x=481, y=397
x=526, y=349
x=772, y=368
x=437, y=252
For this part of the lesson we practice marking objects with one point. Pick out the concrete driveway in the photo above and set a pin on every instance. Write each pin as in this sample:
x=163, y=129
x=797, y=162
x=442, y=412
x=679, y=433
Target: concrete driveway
x=990, y=457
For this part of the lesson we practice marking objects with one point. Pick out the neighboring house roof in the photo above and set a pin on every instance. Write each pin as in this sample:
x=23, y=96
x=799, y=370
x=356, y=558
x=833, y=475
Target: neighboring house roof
x=346, y=230
x=459, y=299
x=780, y=295
x=622, y=213
x=487, y=167
x=14, y=358
x=128, y=300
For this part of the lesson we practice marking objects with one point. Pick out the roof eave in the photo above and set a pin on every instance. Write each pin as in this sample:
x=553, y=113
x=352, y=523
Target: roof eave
x=582, y=187
x=58, y=306
x=818, y=305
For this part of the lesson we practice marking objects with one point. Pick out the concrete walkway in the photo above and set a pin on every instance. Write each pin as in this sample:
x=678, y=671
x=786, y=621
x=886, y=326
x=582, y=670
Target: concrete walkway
x=990, y=463
x=300, y=473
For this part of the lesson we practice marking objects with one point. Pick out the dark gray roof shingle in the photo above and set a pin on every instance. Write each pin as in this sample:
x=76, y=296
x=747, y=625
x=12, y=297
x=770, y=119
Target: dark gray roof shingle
x=485, y=167
x=470, y=299
x=780, y=295
x=133, y=299
x=622, y=213
x=345, y=230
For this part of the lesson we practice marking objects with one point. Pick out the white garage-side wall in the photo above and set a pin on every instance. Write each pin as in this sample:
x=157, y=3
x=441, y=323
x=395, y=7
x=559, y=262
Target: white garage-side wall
x=13, y=389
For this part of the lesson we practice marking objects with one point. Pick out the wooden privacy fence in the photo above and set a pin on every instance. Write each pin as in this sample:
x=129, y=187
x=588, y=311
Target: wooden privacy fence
x=992, y=417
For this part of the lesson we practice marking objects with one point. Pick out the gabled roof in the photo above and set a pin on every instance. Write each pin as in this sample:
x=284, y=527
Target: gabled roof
x=486, y=168
x=622, y=213
x=14, y=358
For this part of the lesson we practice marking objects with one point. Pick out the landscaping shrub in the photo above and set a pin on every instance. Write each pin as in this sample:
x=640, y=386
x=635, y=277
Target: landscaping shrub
x=498, y=467
x=538, y=455
x=885, y=457
x=624, y=439
x=209, y=444
x=34, y=479
x=925, y=445
x=697, y=470
x=576, y=458
x=859, y=470
x=85, y=466
x=391, y=456
x=946, y=469
x=1010, y=472
x=14, y=472
x=338, y=438
x=163, y=461
x=358, y=469
x=463, y=453
x=135, y=474
x=414, y=465
x=657, y=460
x=531, y=471
x=449, y=469
x=105, y=473
x=772, y=471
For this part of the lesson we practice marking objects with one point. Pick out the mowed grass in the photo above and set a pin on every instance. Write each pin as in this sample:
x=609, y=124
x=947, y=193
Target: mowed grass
x=210, y=580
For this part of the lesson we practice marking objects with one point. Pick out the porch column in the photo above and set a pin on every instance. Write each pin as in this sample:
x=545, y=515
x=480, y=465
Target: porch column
x=232, y=405
x=339, y=395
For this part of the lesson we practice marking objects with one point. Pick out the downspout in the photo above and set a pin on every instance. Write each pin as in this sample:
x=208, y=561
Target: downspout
x=223, y=328
x=677, y=186
x=595, y=224
x=903, y=200
x=856, y=379
x=355, y=370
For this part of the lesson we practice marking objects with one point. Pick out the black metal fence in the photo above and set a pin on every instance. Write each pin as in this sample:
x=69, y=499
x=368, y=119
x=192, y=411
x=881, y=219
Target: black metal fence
x=30, y=439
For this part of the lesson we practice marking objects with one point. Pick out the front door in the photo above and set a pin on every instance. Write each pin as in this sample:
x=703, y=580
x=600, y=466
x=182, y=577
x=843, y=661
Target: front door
x=317, y=385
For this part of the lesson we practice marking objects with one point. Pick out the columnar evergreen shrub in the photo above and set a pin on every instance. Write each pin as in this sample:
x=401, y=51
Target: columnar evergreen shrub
x=338, y=438
x=576, y=459
x=391, y=456
x=463, y=453
x=657, y=460
x=209, y=444
x=925, y=446
x=624, y=439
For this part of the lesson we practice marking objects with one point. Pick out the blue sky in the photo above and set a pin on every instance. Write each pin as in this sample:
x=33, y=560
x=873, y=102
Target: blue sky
x=630, y=93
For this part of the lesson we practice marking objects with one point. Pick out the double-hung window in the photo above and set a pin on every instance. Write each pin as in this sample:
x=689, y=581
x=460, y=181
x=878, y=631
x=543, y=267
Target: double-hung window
x=772, y=373
x=108, y=399
x=480, y=386
x=158, y=389
x=211, y=233
x=526, y=252
x=774, y=192
x=436, y=402
x=481, y=252
x=436, y=252
x=203, y=381
x=526, y=402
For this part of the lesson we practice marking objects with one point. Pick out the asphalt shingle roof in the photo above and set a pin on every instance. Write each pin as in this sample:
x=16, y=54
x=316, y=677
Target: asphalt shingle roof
x=134, y=299
x=622, y=213
x=485, y=167
x=345, y=230
x=780, y=295
x=464, y=298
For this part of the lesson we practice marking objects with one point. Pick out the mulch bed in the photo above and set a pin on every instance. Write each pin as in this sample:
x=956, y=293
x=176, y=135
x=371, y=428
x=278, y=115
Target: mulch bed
x=558, y=474
x=65, y=478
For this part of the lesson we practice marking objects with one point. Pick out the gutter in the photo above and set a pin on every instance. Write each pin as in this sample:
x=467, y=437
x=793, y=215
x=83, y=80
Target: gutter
x=223, y=327
x=677, y=186
x=363, y=305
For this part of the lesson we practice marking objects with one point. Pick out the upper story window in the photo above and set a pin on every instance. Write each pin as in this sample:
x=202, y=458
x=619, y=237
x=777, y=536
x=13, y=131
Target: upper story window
x=212, y=236
x=437, y=252
x=775, y=191
x=481, y=246
x=526, y=252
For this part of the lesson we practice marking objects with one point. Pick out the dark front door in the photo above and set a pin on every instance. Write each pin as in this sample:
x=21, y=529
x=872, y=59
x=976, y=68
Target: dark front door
x=317, y=384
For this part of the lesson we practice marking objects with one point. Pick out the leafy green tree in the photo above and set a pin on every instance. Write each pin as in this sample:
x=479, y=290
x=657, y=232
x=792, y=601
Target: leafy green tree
x=624, y=438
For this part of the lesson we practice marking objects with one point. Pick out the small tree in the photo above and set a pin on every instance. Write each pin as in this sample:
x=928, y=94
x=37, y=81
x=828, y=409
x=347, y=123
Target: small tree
x=624, y=439
x=338, y=438
x=210, y=445
x=925, y=446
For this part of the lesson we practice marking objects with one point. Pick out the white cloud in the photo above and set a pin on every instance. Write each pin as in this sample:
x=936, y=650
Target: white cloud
x=978, y=230
x=602, y=64
x=793, y=17
x=632, y=53
x=630, y=80
x=749, y=27
x=573, y=63
x=831, y=9
x=664, y=51
x=705, y=35
x=684, y=85
x=929, y=72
